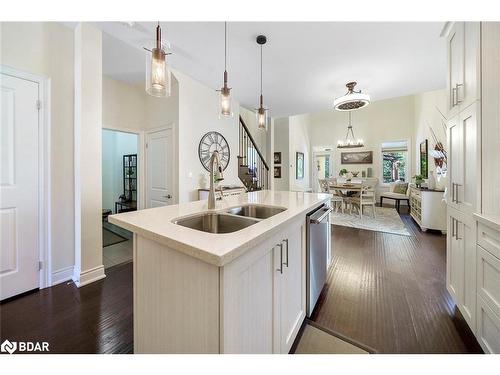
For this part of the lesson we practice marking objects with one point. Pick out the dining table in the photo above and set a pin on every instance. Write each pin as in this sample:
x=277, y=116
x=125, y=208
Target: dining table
x=346, y=189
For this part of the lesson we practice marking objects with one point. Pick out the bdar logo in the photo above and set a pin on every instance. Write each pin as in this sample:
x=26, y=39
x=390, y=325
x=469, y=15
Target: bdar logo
x=9, y=347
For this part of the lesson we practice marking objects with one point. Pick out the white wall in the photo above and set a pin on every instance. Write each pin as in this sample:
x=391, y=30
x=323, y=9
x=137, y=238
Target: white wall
x=299, y=142
x=198, y=114
x=281, y=144
x=123, y=105
x=87, y=154
x=429, y=107
x=115, y=144
x=128, y=106
x=46, y=48
x=381, y=121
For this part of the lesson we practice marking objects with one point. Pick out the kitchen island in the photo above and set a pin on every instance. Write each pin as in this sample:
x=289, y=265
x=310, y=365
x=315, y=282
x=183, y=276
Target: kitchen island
x=241, y=289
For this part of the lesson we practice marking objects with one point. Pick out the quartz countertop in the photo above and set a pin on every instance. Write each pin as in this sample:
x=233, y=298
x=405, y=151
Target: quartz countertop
x=217, y=249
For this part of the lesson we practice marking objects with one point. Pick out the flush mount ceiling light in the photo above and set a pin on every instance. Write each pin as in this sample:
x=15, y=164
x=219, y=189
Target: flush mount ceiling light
x=352, y=100
x=225, y=92
x=261, y=112
x=158, y=77
x=350, y=141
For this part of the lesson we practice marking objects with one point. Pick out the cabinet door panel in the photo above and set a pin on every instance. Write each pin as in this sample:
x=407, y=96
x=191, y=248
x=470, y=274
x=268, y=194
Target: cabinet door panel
x=455, y=142
x=248, y=303
x=292, y=299
x=469, y=91
x=455, y=43
x=488, y=327
x=466, y=190
x=454, y=263
x=466, y=233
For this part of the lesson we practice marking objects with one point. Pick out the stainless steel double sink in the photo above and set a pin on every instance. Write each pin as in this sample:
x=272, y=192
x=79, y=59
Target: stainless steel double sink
x=230, y=220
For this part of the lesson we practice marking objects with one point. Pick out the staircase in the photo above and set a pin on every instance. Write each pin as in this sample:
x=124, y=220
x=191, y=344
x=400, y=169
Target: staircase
x=253, y=170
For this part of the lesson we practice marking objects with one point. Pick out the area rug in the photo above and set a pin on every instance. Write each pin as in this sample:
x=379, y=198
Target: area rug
x=317, y=341
x=109, y=238
x=386, y=220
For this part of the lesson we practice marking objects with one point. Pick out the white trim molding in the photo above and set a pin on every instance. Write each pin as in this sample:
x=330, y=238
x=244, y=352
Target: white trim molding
x=62, y=275
x=89, y=276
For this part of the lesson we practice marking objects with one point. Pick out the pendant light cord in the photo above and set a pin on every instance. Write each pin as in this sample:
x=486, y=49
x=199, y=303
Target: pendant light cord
x=225, y=45
x=261, y=69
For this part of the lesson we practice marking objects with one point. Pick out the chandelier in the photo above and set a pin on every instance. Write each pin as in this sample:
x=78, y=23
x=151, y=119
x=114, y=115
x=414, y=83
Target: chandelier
x=350, y=141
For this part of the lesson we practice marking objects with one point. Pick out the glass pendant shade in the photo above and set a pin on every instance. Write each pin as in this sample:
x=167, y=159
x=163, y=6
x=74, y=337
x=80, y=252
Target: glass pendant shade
x=262, y=115
x=158, y=76
x=225, y=110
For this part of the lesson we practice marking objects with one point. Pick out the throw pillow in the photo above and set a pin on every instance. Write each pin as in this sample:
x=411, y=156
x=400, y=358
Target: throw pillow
x=400, y=188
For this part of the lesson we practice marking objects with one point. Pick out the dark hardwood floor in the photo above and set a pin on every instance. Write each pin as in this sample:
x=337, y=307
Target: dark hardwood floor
x=384, y=291
x=389, y=292
x=96, y=318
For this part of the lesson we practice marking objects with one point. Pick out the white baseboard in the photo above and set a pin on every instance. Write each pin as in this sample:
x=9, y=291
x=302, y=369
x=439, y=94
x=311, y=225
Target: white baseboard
x=89, y=276
x=62, y=275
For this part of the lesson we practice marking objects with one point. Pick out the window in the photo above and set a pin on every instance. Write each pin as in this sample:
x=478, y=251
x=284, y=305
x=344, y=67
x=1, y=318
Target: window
x=395, y=161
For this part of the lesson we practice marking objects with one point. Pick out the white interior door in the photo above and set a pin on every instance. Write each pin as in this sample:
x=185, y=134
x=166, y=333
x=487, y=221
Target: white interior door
x=159, y=164
x=19, y=251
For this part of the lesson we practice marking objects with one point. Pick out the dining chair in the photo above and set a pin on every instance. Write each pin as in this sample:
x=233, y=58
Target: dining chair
x=366, y=197
x=336, y=199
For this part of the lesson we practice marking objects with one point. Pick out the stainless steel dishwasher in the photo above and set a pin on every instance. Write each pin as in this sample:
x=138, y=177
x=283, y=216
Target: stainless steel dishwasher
x=318, y=241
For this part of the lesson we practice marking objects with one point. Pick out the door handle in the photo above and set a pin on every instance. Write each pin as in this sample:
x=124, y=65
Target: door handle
x=280, y=270
x=286, y=263
x=168, y=196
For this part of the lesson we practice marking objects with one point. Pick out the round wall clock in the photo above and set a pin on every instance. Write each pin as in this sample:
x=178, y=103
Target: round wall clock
x=211, y=142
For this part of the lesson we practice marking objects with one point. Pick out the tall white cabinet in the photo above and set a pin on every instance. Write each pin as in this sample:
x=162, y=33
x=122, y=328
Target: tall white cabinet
x=473, y=87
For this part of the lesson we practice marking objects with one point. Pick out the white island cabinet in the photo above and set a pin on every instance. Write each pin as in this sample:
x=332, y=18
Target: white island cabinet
x=239, y=292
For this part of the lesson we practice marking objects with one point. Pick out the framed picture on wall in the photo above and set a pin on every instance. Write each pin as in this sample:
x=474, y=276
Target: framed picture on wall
x=362, y=157
x=424, y=165
x=277, y=158
x=277, y=172
x=299, y=165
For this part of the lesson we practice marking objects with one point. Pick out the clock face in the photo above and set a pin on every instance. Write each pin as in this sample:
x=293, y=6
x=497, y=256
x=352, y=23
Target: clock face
x=210, y=142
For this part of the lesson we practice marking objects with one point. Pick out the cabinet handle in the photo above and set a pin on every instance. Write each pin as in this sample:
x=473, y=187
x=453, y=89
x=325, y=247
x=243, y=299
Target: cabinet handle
x=456, y=231
x=453, y=192
x=457, y=194
x=286, y=263
x=280, y=270
x=452, y=227
x=457, y=92
x=453, y=96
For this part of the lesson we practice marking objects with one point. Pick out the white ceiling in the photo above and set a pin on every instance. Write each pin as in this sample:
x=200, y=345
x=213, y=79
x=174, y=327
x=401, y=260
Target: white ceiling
x=306, y=64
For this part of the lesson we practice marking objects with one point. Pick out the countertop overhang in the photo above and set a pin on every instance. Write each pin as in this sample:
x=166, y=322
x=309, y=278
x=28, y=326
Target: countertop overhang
x=218, y=249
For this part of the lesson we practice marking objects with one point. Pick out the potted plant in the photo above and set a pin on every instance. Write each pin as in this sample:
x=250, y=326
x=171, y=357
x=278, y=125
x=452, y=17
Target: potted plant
x=419, y=179
x=343, y=172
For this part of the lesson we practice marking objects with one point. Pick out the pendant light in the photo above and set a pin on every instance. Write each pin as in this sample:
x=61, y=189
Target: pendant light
x=225, y=92
x=158, y=77
x=261, y=112
x=352, y=100
x=350, y=141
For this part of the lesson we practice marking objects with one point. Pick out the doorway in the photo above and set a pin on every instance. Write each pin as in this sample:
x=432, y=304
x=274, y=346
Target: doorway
x=322, y=166
x=120, y=184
